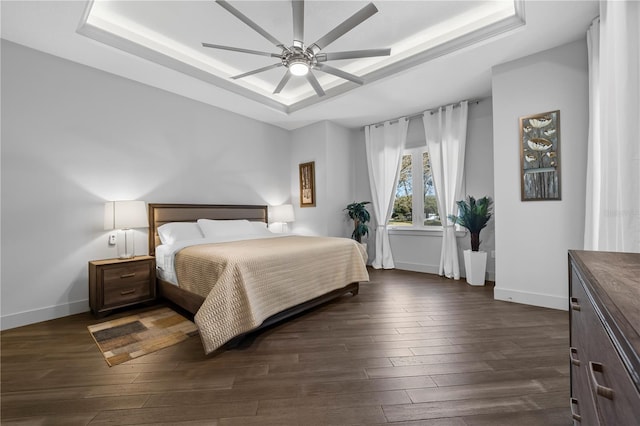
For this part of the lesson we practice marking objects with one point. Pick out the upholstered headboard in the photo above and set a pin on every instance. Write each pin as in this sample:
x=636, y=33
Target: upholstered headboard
x=159, y=214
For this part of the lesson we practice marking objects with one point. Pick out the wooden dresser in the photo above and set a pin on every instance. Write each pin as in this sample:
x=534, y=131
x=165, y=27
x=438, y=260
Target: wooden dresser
x=604, y=306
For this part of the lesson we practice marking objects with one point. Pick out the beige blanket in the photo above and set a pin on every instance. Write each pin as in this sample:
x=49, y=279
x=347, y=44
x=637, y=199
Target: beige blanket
x=245, y=282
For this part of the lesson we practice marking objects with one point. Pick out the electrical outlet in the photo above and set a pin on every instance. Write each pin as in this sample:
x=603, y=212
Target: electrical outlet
x=112, y=239
x=493, y=254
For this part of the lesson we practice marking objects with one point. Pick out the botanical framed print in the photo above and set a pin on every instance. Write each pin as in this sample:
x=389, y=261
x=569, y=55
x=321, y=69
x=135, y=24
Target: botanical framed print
x=540, y=156
x=307, y=184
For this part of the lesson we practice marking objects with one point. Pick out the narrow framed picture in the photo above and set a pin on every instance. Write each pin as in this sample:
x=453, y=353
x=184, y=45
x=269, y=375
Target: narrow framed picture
x=540, y=156
x=307, y=184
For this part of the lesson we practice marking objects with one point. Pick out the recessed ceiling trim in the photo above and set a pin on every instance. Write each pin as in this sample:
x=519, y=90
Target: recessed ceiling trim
x=121, y=43
x=103, y=35
x=499, y=27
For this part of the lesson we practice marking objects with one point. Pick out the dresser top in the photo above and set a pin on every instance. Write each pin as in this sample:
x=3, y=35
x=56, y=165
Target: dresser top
x=618, y=274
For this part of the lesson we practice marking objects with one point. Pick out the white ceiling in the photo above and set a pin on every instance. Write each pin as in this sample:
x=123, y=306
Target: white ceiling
x=442, y=51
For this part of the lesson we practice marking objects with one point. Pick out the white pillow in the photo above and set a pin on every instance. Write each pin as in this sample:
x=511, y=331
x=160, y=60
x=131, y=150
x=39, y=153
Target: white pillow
x=260, y=228
x=215, y=228
x=173, y=232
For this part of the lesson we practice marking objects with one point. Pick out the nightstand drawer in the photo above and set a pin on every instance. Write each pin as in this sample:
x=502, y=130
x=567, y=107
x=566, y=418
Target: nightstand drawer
x=126, y=273
x=125, y=291
x=116, y=283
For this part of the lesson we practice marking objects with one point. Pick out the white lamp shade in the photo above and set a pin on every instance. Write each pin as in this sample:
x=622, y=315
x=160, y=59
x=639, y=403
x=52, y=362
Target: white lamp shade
x=283, y=213
x=125, y=215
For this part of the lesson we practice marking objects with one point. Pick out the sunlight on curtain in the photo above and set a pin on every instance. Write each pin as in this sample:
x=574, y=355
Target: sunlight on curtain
x=384, y=146
x=612, y=218
x=446, y=132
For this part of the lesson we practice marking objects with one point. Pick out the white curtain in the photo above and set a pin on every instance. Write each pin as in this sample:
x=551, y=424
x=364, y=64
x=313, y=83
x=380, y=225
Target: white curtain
x=384, y=146
x=446, y=132
x=612, y=217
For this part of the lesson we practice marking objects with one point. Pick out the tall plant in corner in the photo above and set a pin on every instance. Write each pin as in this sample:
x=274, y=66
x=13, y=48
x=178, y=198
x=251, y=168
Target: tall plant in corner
x=474, y=216
x=360, y=216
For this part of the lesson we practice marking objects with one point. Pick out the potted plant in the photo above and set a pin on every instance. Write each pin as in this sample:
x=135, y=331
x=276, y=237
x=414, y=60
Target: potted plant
x=474, y=216
x=360, y=216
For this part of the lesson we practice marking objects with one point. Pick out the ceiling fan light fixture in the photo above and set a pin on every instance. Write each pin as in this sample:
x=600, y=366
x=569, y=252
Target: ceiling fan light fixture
x=299, y=59
x=298, y=67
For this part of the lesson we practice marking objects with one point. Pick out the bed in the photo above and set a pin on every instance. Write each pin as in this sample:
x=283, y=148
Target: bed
x=237, y=285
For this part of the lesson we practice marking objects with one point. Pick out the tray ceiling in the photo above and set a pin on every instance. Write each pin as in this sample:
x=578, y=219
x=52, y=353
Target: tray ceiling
x=170, y=33
x=158, y=43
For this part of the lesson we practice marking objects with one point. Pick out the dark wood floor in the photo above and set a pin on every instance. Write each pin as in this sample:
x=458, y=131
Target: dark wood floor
x=409, y=349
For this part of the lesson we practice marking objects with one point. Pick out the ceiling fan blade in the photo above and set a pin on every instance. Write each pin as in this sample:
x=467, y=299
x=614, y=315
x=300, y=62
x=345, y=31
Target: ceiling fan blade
x=352, y=22
x=283, y=82
x=235, y=12
x=353, y=54
x=298, y=20
x=267, y=68
x=314, y=83
x=339, y=73
x=239, y=49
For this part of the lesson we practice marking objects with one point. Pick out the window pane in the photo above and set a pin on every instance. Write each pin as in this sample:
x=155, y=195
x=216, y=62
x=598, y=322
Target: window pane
x=431, y=217
x=402, y=207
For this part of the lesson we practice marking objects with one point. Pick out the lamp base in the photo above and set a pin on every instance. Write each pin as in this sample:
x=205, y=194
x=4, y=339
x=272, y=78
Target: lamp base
x=126, y=246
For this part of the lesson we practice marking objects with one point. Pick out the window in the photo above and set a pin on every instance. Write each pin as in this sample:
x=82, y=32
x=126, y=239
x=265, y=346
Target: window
x=420, y=210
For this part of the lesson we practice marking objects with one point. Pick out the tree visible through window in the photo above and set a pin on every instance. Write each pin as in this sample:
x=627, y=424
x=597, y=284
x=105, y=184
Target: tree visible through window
x=415, y=172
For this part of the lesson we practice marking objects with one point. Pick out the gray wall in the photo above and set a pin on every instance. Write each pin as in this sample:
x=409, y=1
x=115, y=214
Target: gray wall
x=330, y=146
x=532, y=237
x=419, y=250
x=74, y=137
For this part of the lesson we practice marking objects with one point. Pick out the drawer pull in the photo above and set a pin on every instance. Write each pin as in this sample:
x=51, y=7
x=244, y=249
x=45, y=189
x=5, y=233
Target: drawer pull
x=600, y=390
x=574, y=304
x=133, y=274
x=125, y=292
x=574, y=403
x=575, y=361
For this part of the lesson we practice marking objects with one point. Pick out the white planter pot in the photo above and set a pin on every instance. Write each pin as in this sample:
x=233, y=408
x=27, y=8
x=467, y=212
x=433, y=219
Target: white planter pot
x=475, y=265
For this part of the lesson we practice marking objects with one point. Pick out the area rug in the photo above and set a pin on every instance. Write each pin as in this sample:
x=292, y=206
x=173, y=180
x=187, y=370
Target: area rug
x=131, y=337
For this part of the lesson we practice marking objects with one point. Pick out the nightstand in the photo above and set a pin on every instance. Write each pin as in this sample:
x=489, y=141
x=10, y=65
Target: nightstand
x=116, y=283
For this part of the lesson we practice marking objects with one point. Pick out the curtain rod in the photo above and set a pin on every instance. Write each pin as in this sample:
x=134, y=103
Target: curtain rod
x=419, y=114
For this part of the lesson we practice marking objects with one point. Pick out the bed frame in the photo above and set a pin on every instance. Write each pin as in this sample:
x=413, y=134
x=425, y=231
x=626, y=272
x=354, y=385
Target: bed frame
x=159, y=214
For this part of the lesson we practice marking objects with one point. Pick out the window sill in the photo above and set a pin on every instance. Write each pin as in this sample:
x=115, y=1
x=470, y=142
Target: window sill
x=422, y=232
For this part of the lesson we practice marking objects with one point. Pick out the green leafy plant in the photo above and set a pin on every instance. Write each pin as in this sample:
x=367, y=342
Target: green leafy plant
x=474, y=216
x=360, y=216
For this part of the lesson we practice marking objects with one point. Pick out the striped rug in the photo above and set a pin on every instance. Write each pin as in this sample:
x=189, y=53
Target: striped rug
x=131, y=337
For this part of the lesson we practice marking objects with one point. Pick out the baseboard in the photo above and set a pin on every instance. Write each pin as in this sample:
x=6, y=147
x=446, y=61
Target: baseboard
x=45, y=314
x=433, y=269
x=417, y=267
x=529, y=298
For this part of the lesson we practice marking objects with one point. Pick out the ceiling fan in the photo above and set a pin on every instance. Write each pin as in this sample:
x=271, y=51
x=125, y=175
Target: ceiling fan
x=300, y=59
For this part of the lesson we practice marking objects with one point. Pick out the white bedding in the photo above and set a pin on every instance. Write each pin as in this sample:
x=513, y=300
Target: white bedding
x=166, y=253
x=244, y=282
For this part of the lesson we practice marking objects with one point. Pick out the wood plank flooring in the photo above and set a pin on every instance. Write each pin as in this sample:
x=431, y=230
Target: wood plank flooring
x=410, y=349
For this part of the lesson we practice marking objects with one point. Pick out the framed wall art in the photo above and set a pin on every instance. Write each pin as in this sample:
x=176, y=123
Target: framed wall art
x=540, y=156
x=307, y=184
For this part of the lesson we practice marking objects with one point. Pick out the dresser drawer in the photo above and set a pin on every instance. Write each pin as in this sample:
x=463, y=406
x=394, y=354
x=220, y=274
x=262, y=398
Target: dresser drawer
x=581, y=310
x=602, y=387
x=132, y=273
x=583, y=409
x=613, y=392
x=120, y=293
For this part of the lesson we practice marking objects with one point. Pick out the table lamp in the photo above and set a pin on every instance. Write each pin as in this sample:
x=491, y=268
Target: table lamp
x=124, y=216
x=282, y=214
